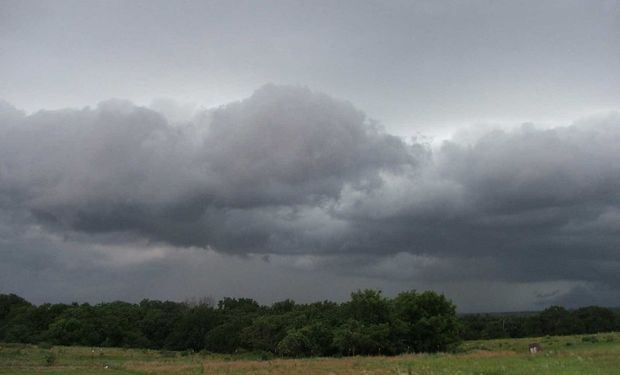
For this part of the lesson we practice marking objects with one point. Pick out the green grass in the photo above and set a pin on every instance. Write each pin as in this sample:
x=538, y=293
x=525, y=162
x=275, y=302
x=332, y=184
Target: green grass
x=590, y=354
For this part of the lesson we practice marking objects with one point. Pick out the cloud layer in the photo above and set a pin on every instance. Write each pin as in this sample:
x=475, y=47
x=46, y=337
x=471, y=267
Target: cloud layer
x=308, y=180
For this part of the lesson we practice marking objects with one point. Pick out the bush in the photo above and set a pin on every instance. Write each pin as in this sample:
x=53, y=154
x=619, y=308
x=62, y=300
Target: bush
x=50, y=359
x=294, y=344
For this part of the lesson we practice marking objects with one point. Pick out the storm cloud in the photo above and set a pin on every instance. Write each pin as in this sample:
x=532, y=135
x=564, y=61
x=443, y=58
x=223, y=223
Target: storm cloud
x=248, y=168
x=299, y=178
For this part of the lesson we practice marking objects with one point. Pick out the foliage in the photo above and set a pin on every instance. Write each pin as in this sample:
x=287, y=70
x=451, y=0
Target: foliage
x=368, y=324
x=552, y=321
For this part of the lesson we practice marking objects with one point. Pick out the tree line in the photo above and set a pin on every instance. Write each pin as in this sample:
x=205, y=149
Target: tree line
x=367, y=324
x=553, y=321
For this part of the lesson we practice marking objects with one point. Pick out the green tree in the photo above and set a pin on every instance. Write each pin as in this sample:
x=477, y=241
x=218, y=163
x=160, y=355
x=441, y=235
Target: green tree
x=593, y=319
x=369, y=307
x=296, y=343
x=192, y=327
x=556, y=320
x=430, y=321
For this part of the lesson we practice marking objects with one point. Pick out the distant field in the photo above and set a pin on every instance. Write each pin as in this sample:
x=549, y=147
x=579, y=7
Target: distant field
x=590, y=354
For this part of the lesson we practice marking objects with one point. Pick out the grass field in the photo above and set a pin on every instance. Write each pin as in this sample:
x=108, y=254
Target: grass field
x=591, y=355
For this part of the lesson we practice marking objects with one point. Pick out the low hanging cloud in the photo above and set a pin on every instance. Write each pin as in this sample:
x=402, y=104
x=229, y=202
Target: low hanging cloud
x=290, y=172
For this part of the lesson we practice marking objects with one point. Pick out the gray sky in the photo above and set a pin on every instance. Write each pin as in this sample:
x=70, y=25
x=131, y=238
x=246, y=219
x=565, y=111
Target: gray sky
x=264, y=149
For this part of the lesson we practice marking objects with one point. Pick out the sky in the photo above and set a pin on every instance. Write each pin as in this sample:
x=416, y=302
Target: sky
x=304, y=150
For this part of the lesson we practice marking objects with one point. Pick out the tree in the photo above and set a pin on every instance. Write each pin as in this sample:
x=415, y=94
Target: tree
x=369, y=307
x=266, y=332
x=295, y=344
x=556, y=320
x=430, y=321
x=192, y=327
x=158, y=320
x=594, y=319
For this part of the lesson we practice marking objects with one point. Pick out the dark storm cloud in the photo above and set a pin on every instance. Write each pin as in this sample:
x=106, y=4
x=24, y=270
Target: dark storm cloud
x=312, y=181
x=238, y=178
x=287, y=145
x=301, y=179
x=535, y=204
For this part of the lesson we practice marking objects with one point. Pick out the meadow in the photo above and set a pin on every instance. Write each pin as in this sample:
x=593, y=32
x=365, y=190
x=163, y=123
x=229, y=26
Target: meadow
x=581, y=354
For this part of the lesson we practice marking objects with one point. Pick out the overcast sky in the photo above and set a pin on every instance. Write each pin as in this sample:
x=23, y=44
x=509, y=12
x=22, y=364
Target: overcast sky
x=306, y=149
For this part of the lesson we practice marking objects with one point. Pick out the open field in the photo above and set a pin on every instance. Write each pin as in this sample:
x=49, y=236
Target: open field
x=591, y=354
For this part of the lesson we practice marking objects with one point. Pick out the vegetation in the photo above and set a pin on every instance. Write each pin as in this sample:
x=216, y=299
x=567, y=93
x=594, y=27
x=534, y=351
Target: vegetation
x=368, y=324
x=554, y=320
x=572, y=355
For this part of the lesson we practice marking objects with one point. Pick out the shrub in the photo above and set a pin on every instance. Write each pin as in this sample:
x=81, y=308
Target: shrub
x=50, y=359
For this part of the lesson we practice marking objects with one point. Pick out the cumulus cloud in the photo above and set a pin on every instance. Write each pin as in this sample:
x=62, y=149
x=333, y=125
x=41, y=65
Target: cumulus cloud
x=538, y=204
x=313, y=182
x=235, y=176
